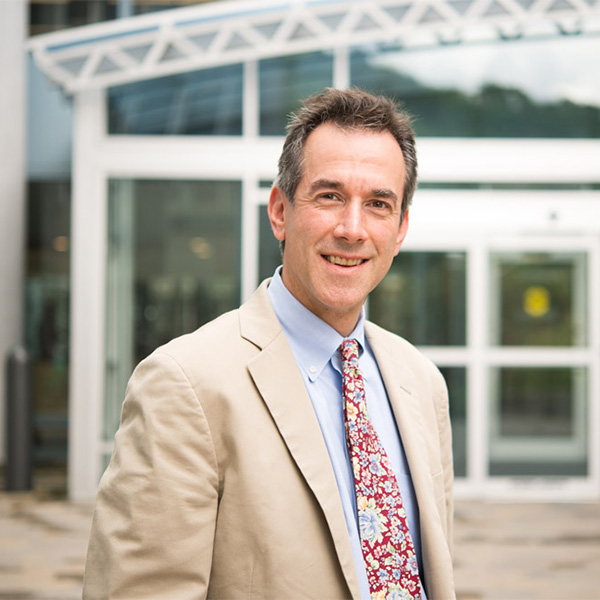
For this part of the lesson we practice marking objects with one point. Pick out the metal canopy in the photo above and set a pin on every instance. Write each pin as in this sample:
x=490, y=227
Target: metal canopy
x=208, y=35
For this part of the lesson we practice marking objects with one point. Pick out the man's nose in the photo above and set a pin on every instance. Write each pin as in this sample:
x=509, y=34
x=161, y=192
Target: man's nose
x=351, y=225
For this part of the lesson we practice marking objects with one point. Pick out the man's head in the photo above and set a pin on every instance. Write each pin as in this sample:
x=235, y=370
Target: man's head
x=340, y=204
x=351, y=109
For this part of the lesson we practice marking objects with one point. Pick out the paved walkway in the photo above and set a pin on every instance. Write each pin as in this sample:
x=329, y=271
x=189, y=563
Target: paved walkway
x=503, y=551
x=527, y=551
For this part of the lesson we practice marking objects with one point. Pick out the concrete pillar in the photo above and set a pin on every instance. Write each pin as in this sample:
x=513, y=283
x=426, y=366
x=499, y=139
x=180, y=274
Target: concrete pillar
x=13, y=23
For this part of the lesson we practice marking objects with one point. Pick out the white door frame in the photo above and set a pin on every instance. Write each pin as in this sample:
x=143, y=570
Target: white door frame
x=442, y=221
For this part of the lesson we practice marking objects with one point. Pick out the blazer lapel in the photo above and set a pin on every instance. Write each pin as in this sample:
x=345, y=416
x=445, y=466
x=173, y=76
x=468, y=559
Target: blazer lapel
x=399, y=383
x=280, y=384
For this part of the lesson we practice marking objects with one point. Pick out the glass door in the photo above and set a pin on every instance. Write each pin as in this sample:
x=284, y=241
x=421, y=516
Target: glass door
x=173, y=263
x=539, y=379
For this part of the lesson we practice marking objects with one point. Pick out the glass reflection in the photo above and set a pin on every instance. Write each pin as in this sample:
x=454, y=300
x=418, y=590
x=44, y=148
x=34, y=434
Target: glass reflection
x=173, y=264
x=538, y=421
x=269, y=255
x=541, y=299
x=456, y=380
x=207, y=102
x=528, y=88
x=47, y=320
x=284, y=80
x=423, y=298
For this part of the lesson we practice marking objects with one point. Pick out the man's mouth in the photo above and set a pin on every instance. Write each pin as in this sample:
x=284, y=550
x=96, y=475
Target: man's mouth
x=344, y=262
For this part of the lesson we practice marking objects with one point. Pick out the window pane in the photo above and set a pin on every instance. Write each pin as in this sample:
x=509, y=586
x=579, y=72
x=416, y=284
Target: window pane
x=538, y=421
x=53, y=15
x=173, y=264
x=269, y=255
x=423, y=298
x=47, y=318
x=541, y=299
x=456, y=380
x=533, y=88
x=284, y=81
x=207, y=102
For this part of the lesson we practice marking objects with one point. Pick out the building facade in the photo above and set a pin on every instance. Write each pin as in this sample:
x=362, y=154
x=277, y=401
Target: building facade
x=12, y=189
x=178, y=120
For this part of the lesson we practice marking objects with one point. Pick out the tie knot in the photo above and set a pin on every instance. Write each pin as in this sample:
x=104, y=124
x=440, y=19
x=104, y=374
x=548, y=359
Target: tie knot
x=349, y=349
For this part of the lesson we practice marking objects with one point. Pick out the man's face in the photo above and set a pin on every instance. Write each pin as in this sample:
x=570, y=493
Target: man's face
x=344, y=227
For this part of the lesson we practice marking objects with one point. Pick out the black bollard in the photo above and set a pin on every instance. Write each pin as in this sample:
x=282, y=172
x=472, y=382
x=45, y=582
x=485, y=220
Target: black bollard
x=19, y=421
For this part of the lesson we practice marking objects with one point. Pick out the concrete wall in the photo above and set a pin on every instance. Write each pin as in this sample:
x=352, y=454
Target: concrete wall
x=13, y=20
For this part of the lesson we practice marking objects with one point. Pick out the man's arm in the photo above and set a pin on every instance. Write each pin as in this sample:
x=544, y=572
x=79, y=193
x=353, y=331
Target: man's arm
x=154, y=521
x=445, y=435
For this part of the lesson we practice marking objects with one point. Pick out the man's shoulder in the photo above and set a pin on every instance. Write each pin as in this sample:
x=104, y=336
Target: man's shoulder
x=378, y=335
x=222, y=330
x=238, y=333
x=396, y=355
x=206, y=357
x=395, y=348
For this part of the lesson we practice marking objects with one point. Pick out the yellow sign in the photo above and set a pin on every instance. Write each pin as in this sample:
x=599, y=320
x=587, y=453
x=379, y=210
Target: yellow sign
x=536, y=301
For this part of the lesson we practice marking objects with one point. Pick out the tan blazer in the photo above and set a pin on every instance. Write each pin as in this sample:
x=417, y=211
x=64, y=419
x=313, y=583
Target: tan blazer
x=221, y=486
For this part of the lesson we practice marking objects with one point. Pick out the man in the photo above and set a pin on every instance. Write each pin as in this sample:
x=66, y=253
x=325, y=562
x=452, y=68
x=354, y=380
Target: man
x=235, y=474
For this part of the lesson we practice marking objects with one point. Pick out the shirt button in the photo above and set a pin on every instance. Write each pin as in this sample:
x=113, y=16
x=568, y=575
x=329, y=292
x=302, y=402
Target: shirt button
x=312, y=369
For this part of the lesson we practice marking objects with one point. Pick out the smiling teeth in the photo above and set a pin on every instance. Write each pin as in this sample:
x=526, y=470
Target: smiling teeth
x=344, y=262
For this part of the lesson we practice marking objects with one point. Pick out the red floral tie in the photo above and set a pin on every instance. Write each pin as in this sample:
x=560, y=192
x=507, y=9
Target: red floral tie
x=387, y=546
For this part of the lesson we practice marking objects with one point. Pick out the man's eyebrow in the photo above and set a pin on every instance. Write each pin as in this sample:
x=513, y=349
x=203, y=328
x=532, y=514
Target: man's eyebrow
x=385, y=193
x=331, y=184
x=320, y=184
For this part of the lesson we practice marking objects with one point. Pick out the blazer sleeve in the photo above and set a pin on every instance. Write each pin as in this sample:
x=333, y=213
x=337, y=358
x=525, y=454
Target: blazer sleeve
x=154, y=520
x=445, y=437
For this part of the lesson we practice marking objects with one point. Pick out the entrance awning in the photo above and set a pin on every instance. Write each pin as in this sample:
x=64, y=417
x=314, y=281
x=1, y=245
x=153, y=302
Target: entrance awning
x=219, y=33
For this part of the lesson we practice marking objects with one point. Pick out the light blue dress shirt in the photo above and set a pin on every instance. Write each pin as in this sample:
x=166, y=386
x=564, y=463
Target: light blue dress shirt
x=315, y=346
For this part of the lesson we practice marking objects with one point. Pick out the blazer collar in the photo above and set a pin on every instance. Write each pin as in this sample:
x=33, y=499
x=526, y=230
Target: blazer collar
x=278, y=380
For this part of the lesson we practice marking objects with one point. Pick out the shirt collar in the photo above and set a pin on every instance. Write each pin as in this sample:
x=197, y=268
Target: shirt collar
x=313, y=341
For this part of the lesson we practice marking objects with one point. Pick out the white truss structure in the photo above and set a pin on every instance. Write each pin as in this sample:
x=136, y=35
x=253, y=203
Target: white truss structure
x=209, y=35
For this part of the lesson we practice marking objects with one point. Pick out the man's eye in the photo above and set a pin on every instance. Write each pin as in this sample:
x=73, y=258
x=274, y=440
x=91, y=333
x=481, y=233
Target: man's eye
x=379, y=204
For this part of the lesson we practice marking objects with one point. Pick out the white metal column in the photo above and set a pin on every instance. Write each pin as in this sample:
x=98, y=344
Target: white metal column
x=88, y=257
x=12, y=185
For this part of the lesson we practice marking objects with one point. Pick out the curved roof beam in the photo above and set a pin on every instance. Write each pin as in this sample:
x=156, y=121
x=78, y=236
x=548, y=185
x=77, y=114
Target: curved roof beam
x=219, y=33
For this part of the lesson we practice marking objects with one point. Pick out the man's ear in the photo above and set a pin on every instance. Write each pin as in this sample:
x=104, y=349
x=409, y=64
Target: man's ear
x=278, y=206
x=402, y=231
